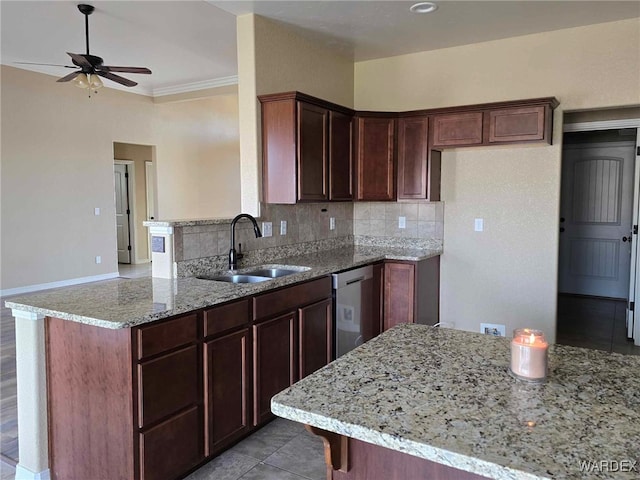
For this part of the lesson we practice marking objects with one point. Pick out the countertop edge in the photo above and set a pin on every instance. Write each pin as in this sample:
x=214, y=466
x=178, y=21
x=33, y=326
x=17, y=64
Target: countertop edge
x=241, y=291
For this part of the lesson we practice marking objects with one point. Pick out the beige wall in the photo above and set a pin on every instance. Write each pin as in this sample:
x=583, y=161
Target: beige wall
x=271, y=59
x=57, y=166
x=197, y=152
x=508, y=273
x=138, y=154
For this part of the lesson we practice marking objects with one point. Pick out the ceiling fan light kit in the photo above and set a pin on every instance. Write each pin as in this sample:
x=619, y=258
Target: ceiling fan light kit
x=91, y=67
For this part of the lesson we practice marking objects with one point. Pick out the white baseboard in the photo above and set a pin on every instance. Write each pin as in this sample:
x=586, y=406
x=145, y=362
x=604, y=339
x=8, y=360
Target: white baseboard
x=63, y=283
x=23, y=473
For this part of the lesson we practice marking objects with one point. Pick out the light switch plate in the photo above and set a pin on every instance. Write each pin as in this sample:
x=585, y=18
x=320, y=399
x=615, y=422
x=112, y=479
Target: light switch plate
x=402, y=222
x=332, y=223
x=479, y=225
x=267, y=229
x=98, y=259
x=283, y=227
x=96, y=211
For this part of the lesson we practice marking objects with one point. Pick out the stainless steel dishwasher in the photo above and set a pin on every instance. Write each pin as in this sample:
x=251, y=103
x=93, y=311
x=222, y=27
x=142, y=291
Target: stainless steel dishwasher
x=352, y=307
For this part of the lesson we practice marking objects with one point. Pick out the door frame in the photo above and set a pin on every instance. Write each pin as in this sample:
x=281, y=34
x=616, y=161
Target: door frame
x=634, y=291
x=131, y=194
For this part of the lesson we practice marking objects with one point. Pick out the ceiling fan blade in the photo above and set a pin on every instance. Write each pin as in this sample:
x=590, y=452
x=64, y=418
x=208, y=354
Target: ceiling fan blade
x=108, y=68
x=70, y=77
x=45, y=64
x=117, y=78
x=80, y=60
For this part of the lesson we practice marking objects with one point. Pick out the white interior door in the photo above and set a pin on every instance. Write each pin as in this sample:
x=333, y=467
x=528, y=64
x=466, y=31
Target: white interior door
x=633, y=326
x=122, y=213
x=596, y=219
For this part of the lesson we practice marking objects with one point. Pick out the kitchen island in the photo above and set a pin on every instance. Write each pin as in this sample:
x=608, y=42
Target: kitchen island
x=131, y=383
x=424, y=402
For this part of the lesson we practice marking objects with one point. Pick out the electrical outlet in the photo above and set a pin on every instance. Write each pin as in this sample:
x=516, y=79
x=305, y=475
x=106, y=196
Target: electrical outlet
x=402, y=222
x=267, y=229
x=283, y=227
x=495, y=329
x=96, y=211
x=98, y=259
x=332, y=223
x=479, y=225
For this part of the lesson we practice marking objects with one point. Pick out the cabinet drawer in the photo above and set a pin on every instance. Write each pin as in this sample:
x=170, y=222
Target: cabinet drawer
x=157, y=338
x=167, y=384
x=457, y=129
x=170, y=449
x=226, y=317
x=290, y=298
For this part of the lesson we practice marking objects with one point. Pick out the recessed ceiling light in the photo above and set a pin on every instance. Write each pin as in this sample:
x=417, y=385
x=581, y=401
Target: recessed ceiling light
x=423, y=7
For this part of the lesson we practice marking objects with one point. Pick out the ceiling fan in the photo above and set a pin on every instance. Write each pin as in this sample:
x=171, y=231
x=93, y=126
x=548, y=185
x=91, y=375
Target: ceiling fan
x=91, y=66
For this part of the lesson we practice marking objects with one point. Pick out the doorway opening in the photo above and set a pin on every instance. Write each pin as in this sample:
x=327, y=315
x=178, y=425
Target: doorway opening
x=135, y=199
x=597, y=260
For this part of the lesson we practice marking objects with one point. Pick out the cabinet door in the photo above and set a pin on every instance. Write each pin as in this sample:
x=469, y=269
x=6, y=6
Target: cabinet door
x=312, y=152
x=227, y=380
x=517, y=125
x=412, y=157
x=399, y=294
x=374, y=157
x=273, y=362
x=340, y=156
x=457, y=129
x=314, y=337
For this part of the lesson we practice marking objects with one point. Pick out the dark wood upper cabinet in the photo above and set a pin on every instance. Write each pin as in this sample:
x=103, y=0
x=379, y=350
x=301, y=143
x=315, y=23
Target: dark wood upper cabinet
x=457, y=129
x=375, y=146
x=312, y=152
x=526, y=124
x=306, y=149
x=340, y=156
x=413, y=153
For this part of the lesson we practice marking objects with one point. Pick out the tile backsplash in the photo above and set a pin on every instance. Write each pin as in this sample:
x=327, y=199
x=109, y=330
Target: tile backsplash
x=309, y=223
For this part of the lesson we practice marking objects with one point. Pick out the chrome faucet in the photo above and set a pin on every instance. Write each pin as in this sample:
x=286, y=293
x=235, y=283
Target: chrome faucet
x=233, y=256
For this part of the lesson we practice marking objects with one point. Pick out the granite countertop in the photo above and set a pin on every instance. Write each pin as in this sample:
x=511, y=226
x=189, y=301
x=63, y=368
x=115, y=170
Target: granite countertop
x=446, y=396
x=122, y=303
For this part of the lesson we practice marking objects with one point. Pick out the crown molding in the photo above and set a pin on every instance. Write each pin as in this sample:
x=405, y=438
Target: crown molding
x=195, y=86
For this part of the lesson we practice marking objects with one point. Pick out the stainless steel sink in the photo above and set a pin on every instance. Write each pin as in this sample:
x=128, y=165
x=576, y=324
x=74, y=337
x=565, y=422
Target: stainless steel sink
x=260, y=274
x=235, y=278
x=272, y=272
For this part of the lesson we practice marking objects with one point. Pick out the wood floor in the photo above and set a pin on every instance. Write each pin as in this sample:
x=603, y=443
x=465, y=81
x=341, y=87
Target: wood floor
x=593, y=322
x=8, y=400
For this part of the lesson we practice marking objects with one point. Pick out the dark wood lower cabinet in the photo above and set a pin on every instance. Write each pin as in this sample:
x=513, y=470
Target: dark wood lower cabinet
x=172, y=447
x=412, y=292
x=314, y=337
x=227, y=375
x=372, y=462
x=273, y=362
x=399, y=294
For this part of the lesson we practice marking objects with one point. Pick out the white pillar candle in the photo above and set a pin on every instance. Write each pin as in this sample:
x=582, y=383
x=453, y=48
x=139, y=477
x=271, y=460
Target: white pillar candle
x=529, y=354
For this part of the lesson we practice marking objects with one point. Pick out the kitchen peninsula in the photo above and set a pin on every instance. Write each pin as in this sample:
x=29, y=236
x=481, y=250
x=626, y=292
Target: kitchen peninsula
x=148, y=378
x=424, y=402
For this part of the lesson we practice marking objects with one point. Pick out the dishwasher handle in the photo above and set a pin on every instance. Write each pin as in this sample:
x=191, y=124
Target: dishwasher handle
x=349, y=277
x=355, y=280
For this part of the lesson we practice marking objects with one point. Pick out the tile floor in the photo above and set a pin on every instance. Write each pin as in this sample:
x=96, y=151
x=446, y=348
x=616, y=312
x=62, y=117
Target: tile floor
x=594, y=322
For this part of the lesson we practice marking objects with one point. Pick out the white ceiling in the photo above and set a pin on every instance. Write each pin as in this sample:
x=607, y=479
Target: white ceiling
x=191, y=45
